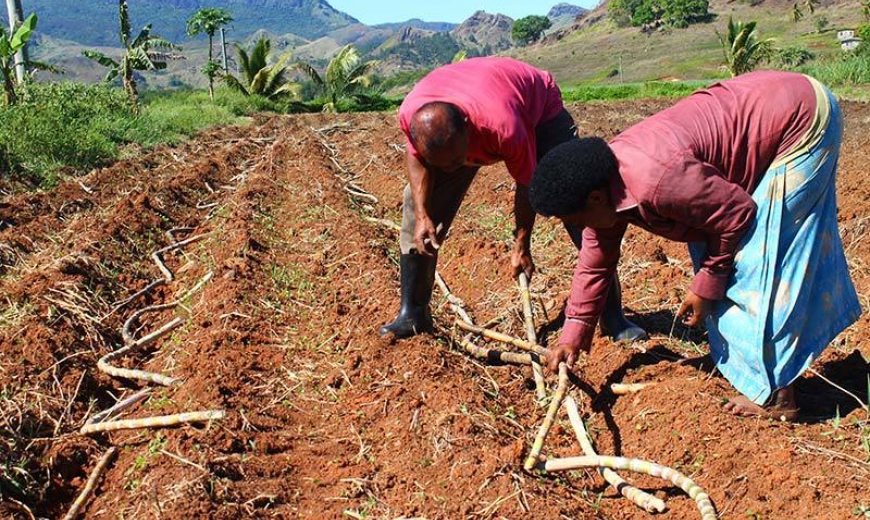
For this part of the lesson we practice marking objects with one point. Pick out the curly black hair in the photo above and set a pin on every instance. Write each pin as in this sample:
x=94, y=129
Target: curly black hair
x=567, y=175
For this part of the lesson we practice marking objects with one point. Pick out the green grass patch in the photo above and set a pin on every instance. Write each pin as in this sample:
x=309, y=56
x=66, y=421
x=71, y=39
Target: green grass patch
x=70, y=128
x=848, y=71
x=646, y=90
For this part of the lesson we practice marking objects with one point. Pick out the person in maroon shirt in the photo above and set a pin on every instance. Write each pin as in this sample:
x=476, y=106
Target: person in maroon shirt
x=744, y=171
x=458, y=118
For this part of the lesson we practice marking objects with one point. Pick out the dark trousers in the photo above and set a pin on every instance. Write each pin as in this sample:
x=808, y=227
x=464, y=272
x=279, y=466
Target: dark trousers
x=449, y=189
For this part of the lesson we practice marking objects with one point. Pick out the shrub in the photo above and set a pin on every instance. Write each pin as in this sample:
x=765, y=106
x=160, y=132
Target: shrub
x=793, y=56
x=61, y=125
x=671, y=13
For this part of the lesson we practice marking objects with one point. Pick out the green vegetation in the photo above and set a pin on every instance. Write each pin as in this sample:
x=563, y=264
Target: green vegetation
x=646, y=90
x=207, y=21
x=849, y=71
x=821, y=23
x=10, y=44
x=530, y=29
x=652, y=13
x=260, y=78
x=793, y=56
x=346, y=78
x=68, y=128
x=742, y=48
x=138, y=55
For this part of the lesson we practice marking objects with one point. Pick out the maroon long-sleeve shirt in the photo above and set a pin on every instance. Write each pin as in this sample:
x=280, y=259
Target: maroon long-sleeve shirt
x=687, y=174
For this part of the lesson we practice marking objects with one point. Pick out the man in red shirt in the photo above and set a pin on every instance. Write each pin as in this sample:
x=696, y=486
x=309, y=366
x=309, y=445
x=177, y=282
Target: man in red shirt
x=458, y=118
x=744, y=171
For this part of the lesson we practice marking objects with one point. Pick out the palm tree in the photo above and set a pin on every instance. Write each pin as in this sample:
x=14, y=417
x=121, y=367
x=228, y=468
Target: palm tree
x=138, y=55
x=208, y=21
x=742, y=48
x=260, y=78
x=345, y=76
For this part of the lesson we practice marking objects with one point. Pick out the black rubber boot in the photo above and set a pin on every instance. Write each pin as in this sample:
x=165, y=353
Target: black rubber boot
x=613, y=320
x=417, y=276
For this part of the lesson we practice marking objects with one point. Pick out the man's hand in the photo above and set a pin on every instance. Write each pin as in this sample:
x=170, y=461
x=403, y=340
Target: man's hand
x=564, y=353
x=694, y=309
x=426, y=236
x=521, y=261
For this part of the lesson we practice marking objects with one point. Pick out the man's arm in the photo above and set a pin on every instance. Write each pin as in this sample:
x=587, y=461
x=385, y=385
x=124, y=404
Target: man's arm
x=425, y=234
x=524, y=219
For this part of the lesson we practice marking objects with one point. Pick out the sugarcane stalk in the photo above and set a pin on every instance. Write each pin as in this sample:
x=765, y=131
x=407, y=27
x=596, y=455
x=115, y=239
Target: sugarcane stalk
x=503, y=338
x=91, y=483
x=495, y=356
x=531, y=335
x=126, y=330
x=457, y=305
x=630, y=388
x=158, y=259
x=642, y=499
x=161, y=421
x=553, y=409
x=104, y=362
x=119, y=407
x=705, y=506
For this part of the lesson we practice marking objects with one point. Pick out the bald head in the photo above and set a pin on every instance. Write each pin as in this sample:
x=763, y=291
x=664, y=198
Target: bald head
x=439, y=131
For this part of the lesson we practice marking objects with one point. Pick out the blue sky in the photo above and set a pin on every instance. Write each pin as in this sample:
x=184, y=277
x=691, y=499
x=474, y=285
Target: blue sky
x=382, y=11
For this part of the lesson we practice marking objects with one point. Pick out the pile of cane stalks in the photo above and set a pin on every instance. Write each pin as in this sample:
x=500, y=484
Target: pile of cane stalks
x=529, y=352
x=532, y=354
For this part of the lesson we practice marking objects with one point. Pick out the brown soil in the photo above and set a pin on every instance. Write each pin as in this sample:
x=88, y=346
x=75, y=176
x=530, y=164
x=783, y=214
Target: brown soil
x=325, y=419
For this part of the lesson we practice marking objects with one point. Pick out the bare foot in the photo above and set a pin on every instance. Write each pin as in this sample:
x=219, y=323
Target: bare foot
x=783, y=407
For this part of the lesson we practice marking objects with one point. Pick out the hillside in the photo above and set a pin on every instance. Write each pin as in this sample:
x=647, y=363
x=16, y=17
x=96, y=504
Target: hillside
x=564, y=15
x=594, y=50
x=484, y=32
x=94, y=22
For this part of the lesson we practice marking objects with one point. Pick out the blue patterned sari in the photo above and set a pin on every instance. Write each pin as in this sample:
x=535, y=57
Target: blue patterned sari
x=791, y=293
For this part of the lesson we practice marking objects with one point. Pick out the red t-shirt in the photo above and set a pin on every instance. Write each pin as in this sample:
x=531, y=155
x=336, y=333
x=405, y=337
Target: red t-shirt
x=687, y=174
x=504, y=99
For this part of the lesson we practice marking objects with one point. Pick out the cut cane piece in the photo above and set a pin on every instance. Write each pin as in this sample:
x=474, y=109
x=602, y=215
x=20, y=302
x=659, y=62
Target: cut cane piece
x=553, y=409
x=161, y=421
x=495, y=356
x=82, y=499
x=705, y=506
x=531, y=336
x=503, y=338
x=631, y=388
x=642, y=499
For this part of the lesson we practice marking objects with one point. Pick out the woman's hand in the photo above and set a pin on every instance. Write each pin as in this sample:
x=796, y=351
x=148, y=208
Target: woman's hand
x=694, y=309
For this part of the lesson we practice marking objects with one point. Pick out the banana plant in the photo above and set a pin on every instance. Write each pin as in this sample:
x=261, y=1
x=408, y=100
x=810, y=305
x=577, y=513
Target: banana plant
x=258, y=77
x=10, y=44
x=138, y=54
